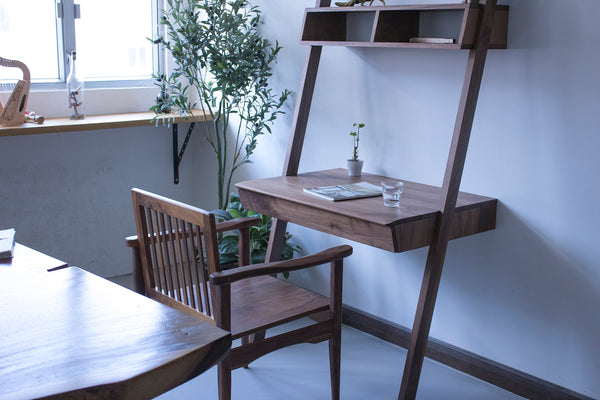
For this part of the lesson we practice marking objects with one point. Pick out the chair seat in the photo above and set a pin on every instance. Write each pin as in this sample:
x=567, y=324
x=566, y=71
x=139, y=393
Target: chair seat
x=263, y=302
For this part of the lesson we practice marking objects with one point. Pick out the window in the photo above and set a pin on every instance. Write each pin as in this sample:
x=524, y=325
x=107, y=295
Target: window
x=38, y=48
x=109, y=36
x=111, y=39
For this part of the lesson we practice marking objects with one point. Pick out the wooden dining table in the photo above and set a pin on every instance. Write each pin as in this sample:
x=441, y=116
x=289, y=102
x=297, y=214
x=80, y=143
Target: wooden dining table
x=71, y=334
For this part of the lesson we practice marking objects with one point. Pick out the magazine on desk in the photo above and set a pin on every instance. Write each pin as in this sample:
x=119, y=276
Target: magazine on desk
x=345, y=192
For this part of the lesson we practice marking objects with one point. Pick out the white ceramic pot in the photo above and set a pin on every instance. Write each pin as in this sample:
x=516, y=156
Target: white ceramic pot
x=355, y=167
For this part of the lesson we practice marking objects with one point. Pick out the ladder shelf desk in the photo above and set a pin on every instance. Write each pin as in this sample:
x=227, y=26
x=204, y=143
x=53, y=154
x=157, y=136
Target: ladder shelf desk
x=431, y=216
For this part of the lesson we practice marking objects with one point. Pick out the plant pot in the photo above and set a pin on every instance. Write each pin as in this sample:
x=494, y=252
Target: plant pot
x=355, y=167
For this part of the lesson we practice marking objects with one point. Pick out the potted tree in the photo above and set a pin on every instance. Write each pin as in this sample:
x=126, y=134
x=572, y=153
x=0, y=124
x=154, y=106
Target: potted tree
x=259, y=237
x=354, y=164
x=222, y=65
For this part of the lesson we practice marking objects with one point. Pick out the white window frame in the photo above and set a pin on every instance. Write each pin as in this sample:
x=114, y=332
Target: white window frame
x=102, y=97
x=65, y=32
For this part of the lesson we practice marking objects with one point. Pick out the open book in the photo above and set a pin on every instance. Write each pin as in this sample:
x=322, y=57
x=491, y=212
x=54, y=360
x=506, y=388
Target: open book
x=7, y=243
x=345, y=192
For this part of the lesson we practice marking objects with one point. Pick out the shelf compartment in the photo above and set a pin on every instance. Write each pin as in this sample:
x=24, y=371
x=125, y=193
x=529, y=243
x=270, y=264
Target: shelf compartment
x=397, y=26
x=344, y=27
x=367, y=221
x=394, y=26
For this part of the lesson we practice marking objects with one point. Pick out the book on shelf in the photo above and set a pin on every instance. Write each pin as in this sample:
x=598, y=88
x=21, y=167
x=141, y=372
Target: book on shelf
x=431, y=40
x=7, y=243
x=345, y=192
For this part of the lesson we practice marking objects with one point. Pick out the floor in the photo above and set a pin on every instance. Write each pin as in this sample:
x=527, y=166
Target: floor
x=371, y=369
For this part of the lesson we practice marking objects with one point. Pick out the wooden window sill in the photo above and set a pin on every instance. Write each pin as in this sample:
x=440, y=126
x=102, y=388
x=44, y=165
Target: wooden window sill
x=93, y=122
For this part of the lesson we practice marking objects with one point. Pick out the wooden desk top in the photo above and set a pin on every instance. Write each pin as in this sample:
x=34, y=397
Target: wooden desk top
x=366, y=220
x=71, y=333
x=27, y=258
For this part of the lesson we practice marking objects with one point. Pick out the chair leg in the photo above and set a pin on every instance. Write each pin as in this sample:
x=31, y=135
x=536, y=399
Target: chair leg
x=246, y=340
x=224, y=372
x=335, y=345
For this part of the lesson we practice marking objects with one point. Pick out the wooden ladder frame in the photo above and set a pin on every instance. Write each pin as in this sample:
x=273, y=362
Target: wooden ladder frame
x=450, y=187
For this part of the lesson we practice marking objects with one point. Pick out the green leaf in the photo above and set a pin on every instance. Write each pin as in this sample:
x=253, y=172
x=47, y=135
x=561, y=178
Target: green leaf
x=222, y=214
x=235, y=213
x=221, y=58
x=287, y=252
x=229, y=245
x=258, y=256
x=228, y=261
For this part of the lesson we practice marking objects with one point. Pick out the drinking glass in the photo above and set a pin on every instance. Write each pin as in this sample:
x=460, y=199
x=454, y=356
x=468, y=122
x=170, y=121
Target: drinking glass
x=392, y=191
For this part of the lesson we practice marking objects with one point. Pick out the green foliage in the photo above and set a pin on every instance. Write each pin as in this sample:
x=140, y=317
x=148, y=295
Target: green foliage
x=259, y=236
x=221, y=59
x=356, y=138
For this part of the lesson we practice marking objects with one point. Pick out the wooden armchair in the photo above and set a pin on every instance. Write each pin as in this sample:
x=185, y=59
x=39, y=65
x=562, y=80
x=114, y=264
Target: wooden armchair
x=179, y=259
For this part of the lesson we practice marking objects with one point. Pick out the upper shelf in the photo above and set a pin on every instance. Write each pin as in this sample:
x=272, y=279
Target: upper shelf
x=394, y=26
x=93, y=122
x=367, y=221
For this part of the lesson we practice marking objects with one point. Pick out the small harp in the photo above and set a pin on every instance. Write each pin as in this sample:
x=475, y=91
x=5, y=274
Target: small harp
x=13, y=111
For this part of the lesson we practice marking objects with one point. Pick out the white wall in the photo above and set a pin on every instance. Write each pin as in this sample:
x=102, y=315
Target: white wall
x=68, y=194
x=525, y=294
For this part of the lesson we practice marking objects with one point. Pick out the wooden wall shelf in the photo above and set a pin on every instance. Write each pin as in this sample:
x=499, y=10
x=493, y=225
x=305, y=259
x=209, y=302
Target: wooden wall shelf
x=394, y=26
x=367, y=221
x=95, y=122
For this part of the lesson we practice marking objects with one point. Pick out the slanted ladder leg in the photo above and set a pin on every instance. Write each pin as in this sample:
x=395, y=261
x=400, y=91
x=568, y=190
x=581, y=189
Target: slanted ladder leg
x=298, y=132
x=450, y=188
x=302, y=110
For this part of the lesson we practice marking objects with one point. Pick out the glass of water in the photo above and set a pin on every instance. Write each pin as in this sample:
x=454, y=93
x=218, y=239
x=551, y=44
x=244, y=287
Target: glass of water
x=392, y=191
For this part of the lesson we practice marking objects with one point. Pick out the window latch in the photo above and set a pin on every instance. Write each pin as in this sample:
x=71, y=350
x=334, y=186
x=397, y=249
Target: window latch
x=60, y=12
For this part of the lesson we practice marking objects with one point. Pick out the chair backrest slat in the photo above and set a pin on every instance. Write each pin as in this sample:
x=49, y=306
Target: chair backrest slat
x=188, y=247
x=158, y=263
x=162, y=239
x=174, y=240
x=173, y=260
x=183, y=284
x=202, y=288
x=146, y=223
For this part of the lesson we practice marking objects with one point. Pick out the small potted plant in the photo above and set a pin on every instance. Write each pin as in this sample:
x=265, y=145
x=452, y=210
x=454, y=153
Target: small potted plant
x=354, y=164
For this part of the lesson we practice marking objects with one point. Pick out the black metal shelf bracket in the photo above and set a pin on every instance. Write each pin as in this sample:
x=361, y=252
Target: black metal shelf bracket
x=178, y=153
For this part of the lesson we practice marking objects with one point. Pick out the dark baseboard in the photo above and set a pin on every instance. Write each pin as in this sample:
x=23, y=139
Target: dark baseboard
x=515, y=381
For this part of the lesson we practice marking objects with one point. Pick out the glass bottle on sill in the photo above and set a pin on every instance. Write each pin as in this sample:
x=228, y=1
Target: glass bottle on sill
x=75, y=90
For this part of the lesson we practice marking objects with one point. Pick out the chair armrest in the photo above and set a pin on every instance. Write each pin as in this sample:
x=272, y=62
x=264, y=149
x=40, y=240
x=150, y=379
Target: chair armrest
x=236, y=223
x=132, y=241
x=236, y=274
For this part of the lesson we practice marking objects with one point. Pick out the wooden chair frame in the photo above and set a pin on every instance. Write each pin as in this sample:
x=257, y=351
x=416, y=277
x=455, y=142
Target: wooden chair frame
x=223, y=307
